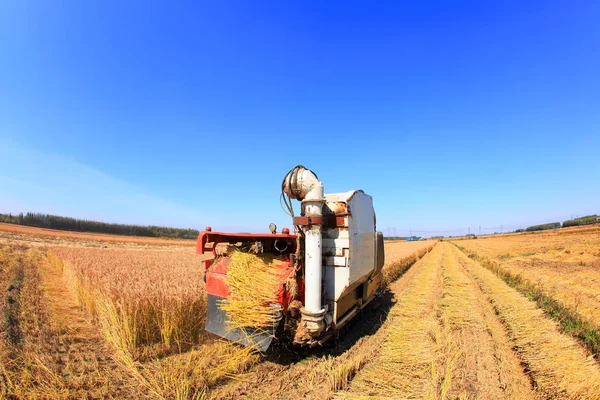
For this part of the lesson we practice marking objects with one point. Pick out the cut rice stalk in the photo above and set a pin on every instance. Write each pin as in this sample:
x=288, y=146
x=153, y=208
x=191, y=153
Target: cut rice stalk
x=254, y=283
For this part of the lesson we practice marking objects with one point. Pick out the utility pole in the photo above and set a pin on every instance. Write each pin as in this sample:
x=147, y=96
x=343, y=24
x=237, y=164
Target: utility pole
x=479, y=229
x=469, y=230
x=501, y=228
x=409, y=232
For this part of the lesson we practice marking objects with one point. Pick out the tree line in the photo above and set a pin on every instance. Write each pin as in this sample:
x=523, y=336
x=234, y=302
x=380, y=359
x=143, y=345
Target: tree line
x=587, y=220
x=83, y=225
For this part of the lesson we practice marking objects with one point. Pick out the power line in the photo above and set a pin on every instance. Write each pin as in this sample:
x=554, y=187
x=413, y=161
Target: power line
x=467, y=228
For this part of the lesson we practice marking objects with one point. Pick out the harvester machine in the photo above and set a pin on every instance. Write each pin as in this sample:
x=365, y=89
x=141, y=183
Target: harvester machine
x=335, y=256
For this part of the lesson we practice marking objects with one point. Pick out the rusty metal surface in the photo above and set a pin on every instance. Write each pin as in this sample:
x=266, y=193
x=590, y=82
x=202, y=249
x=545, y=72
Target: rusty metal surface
x=306, y=220
x=204, y=238
x=336, y=208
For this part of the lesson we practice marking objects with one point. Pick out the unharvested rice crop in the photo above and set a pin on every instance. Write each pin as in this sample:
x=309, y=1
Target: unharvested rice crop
x=401, y=255
x=140, y=298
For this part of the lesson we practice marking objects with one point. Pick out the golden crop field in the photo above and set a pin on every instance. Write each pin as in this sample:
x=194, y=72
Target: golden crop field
x=566, y=266
x=111, y=319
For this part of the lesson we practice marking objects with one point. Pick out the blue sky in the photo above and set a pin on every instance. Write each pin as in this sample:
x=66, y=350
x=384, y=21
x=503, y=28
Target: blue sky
x=450, y=114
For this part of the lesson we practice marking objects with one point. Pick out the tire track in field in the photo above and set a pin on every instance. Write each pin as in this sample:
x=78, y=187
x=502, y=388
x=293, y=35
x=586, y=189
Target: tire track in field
x=559, y=367
x=405, y=365
x=83, y=356
x=485, y=367
x=443, y=340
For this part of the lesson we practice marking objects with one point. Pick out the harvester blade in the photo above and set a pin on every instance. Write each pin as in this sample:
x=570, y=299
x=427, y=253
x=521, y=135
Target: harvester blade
x=216, y=323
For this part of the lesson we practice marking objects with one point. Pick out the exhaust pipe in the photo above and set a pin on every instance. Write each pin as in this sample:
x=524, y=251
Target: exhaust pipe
x=302, y=184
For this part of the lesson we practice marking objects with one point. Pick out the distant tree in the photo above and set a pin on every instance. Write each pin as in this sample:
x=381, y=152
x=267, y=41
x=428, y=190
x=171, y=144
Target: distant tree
x=542, y=227
x=81, y=225
x=587, y=220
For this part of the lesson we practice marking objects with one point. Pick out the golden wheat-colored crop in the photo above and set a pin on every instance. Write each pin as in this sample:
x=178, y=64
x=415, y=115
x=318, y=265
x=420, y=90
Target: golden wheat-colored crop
x=458, y=331
x=405, y=365
x=140, y=298
x=402, y=255
x=558, y=364
x=254, y=283
x=565, y=265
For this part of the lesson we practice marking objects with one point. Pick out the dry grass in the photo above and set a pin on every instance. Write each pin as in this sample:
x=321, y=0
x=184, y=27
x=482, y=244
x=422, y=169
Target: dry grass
x=150, y=304
x=140, y=298
x=444, y=340
x=565, y=265
x=395, y=250
x=46, y=355
x=406, y=364
x=401, y=256
x=441, y=340
x=254, y=283
x=558, y=365
x=483, y=365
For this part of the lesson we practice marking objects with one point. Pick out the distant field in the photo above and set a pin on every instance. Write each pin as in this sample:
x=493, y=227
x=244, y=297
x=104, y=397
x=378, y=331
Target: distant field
x=43, y=236
x=401, y=248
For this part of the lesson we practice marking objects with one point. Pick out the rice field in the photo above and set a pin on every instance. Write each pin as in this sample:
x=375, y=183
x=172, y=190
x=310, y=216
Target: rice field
x=565, y=265
x=126, y=321
x=141, y=298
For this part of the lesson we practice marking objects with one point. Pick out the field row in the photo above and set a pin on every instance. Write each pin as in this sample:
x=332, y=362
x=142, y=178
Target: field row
x=454, y=333
x=566, y=267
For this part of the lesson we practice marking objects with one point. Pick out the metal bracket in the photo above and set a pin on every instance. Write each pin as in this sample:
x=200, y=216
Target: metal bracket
x=307, y=221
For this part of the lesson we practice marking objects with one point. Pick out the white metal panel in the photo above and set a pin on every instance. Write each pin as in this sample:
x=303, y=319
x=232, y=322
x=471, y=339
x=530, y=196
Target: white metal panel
x=362, y=256
x=336, y=280
x=349, y=253
x=336, y=261
x=343, y=243
x=333, y=251
x=335, y=233
x=336, y=247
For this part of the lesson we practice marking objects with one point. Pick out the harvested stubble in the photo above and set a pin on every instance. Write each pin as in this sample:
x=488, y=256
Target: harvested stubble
x=482, y=364
x=566, y=265
x=191, y=375
x=558, y=365
x=405, y=366
x=254, y=283
x=442, y=340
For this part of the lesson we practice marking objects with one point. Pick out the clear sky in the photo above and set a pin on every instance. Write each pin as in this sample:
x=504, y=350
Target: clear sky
x=450, y=114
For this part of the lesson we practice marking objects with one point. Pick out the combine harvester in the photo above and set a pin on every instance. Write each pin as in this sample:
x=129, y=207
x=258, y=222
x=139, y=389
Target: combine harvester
x=335, y=257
